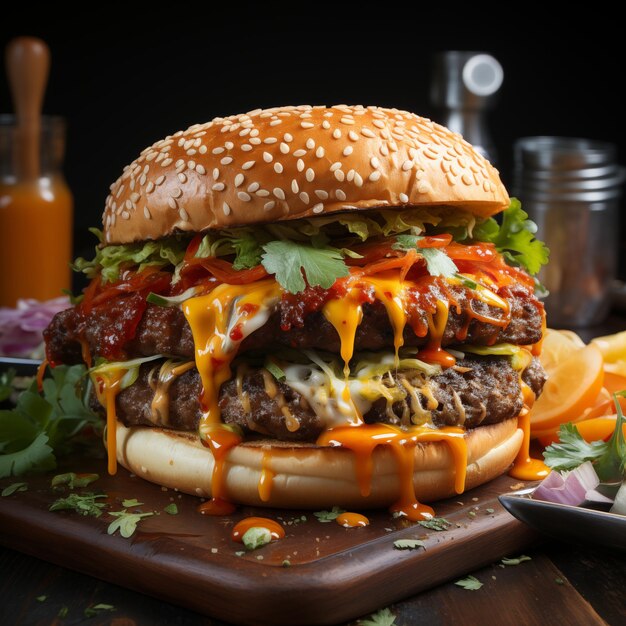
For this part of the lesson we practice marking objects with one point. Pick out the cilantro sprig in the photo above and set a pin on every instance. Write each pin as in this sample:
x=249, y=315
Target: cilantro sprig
x=40, y=427
x=471, y=583
x=438, y=263
x=514, y=238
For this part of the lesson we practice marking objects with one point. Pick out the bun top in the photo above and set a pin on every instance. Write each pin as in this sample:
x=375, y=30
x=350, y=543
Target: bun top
x=292, y=162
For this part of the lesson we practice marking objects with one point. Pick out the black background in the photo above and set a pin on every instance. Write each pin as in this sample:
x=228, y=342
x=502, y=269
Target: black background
x=124, y=79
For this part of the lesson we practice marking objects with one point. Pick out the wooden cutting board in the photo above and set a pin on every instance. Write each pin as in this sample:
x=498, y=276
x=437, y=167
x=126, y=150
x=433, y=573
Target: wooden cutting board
x=333, y=574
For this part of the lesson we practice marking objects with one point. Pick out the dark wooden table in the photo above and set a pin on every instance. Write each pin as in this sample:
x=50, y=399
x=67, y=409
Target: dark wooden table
x=562, y=584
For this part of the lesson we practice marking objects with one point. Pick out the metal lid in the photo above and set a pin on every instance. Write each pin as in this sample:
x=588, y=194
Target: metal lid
x=562, y=153
x=557, y=176
x=568, y=185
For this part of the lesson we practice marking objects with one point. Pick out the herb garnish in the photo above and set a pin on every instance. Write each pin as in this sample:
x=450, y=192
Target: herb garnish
x=329, y=516
x=471, y=583
x=83, y=504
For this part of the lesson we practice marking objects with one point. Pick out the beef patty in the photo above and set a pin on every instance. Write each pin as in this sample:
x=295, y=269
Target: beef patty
x=478, y=391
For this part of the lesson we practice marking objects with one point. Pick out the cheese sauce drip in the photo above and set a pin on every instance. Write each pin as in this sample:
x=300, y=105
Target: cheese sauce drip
x=362, y=441
x=160, y=405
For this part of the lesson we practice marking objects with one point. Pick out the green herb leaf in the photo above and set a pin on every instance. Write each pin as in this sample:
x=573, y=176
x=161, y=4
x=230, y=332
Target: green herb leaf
x=171, y=509
x=41, y=425
x=63, y=611
x=83, y=504
x=6, y=388
x=126, y=522
x=516, y=561
x=438, y=263
x=408, y=544
x=515, y=238
x=435, y=523
x=248, y=250
x=384, y=617
x=41, y=598
x=131, y=502
x=610, y=466
x=470, y=583
x=92, y=611
x=73, y=480
x=329, y=516
x=289, y=260
x=572, y=450
x=275, y=370
x=256, y=537
x=559, y=581
x=15, y=487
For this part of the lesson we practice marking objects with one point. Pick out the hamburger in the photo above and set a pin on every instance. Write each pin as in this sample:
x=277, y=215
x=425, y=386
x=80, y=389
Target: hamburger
x=311, y=306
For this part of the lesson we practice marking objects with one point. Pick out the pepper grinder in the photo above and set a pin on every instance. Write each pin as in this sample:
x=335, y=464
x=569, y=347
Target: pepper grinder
x=462, y=90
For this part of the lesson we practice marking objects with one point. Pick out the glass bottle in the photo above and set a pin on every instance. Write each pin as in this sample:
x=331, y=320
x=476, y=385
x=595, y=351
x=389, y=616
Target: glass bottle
x=35, y=216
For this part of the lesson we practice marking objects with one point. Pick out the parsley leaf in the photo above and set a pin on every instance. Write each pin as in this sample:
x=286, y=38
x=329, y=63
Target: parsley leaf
x=171, y=509
x=384, y=617
x=435, y=523
x=83, y=504
x=515, y=238
x=517, y=561
x=131, y=502
x=248, y=250
x=572, y=450
x=438, y=263
x=126, y=522
x=92, y=611
x=289, y=260
x=38, y=430
x=329, y=516
x=610, y=466
x=14, y=488
x=256, y=537
x=73, y=480
x=471, y=583
x=408, y=544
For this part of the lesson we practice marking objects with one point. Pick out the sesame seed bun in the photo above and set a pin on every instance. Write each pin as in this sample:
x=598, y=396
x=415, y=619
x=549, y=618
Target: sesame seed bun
x=292, y=162
x=310, y=476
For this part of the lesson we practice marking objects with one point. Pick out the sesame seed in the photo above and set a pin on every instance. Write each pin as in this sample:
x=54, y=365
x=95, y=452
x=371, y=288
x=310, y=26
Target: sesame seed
x=310, y=143
x=404, y=197
x=239, y=180
x=166, y=162
x=226, y=208
x=262, y=193
x=252, y=187
x=299, y=153
x=146, y=213
x=326, y=124
x=353, y=136
x=321, y=194
x=129, y=204
x=270, y=140
x=218, y=187
x=157, y=182
x=300, y=165
x=318, y=208
x=126, y=215
x=191, y=165
x=150, y=187
x=244, y=196
x=340, y=195
x=288, y=137
x=179, y=162
x=267, y=157
x=366, y=132
x=254, y=132
x=268, y=206
x=229, y=145
x=134, y=196
x=176, y=193
x=216, y=173
x=294, y=186
x=346, y=120
x=226, y=161
x=347, y=151
x=244, y=132
x=183, y=215
x=200, y=169
x=336, y=133
x=246, y=147
x=182, y=178
x=407, y=165
x=279, y=193
x=384, y=150
x=358, y=179
x=335, y=166
x=307, y=124
x=375, y=162
x=378, y=123
x=284, y=148
x=247, y=165
x=275, y=122
x=278, y=168
x=339, y=175
x=255, y=141
x=217, y=150
x=172, y=203
x=350, y=176
x=374, y=176
x=304, y=196
x=319, y=153
x=310, y=175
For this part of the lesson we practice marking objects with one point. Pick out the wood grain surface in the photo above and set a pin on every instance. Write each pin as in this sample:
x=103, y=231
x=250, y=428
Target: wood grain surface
x=334, y=574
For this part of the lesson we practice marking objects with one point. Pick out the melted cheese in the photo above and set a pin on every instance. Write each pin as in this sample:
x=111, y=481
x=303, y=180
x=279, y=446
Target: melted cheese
x=345, y=315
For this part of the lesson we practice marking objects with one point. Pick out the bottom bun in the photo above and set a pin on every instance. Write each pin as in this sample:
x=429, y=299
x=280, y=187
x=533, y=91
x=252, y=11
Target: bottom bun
x=307, y=475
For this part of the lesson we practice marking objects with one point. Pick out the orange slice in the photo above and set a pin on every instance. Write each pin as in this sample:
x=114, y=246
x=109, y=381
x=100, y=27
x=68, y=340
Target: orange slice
x=557, y=346
x=590, y=430
x=572, y=386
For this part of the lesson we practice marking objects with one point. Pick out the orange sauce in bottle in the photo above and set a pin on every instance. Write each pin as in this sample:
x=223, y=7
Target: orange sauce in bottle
x=35, y=239
x=240, y=528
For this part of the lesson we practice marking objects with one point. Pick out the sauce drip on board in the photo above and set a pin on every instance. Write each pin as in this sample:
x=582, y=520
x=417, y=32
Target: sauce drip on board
x=352, y=520
x=242, y=527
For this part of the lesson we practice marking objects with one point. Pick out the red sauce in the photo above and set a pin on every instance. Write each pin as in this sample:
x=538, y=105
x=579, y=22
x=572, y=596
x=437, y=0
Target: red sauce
x=240, y=529
x=352, y=520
